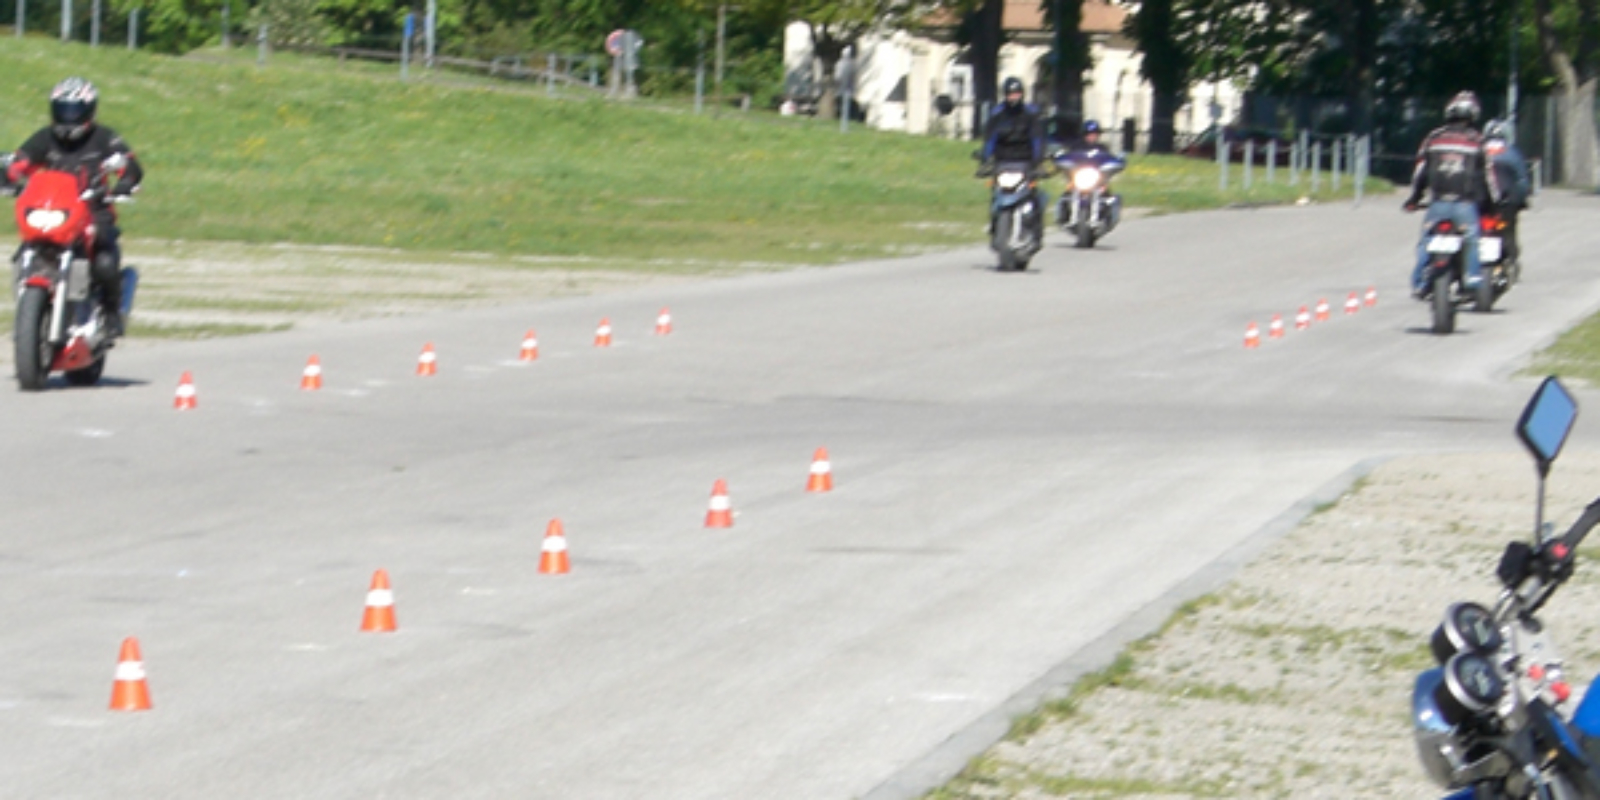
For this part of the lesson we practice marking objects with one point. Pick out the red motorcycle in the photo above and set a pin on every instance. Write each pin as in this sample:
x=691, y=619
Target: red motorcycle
x=60, y=323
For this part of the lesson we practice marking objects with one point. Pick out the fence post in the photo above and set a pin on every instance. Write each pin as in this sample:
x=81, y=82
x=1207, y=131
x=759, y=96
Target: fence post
x=1359, y=166
x=1249, y=161
x=1222, y=163
x=1549, y=140
x=94, y=24
x=1272, y=160
x=261, y=46
x=133, y=29
x=66, y=20
x=1316, y=166
x=225, y=42
x=22, y=17
x=550, y=74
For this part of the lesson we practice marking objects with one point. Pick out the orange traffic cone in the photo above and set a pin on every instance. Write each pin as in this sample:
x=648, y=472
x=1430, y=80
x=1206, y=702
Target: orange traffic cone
x=1372, y=296
x=530, y=347
x=1275, y=329
x=1252, y=336
x=602, y=334
x=185, y=398
x=427, y=363
x=379, y=617
x=1302, y=320
x=1352, y=304
x=664, y=322
x=1322, y=310
x=821, y=479
x=129, y=692
x=553, y=560
x=311, y=379
x=721, y=513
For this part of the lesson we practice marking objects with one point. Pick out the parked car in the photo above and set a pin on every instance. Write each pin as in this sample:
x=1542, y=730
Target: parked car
x=1204, y=145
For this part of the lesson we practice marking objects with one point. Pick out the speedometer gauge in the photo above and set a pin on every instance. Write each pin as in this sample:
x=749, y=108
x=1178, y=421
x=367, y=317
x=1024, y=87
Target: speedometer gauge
x=1467, y=628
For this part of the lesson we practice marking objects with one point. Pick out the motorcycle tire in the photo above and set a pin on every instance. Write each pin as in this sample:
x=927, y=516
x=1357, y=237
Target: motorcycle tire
x=88, y=376
x=1085, y=237
x=1483, y=296
x=1444, y=308
x=1002, y=241
x=32, y=338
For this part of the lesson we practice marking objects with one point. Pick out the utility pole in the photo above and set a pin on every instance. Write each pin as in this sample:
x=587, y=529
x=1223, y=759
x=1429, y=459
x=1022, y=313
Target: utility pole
x=66, y=20
x=431, y=29
x=94, y=25
x=722, y=33
x=22, y=17
x=1511, y=87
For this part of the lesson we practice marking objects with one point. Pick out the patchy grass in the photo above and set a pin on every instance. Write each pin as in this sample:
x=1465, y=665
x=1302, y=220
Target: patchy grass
x=1576, y=354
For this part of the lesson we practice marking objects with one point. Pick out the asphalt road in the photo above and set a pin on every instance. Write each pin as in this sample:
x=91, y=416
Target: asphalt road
x=1023, y=463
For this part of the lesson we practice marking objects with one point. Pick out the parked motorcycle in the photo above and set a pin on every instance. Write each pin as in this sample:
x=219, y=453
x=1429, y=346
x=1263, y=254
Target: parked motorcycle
x=1088, y=209
x=1492, y=720
x=1014, y=214
x=60, y=322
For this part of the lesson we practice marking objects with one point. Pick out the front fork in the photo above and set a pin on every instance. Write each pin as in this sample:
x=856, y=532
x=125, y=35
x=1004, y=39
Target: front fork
x=63, y=288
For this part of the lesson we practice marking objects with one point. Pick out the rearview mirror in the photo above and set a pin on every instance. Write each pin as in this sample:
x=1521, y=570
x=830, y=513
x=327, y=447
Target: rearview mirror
x=1546, y=422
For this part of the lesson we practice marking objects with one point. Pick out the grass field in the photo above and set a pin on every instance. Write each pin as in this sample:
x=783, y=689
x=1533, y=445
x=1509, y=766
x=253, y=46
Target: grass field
x=311, y=152
x=1576, y=355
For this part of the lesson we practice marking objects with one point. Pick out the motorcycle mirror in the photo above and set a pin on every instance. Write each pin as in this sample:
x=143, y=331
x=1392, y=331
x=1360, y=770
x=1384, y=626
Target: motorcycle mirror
x=1546, y=422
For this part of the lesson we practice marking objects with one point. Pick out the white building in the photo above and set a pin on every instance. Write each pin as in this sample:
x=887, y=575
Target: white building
x=900, y=74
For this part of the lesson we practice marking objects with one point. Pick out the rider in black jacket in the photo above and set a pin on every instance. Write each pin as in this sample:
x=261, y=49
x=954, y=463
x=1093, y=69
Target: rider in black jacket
x=1016, y=135
x=74, y=143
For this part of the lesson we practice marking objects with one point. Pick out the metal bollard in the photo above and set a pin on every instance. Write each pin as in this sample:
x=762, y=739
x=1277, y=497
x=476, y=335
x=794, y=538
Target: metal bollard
x=1222, y=164
x=1249, y=161
x=1272, y=160
x=1338, y=168
x=1316, y=166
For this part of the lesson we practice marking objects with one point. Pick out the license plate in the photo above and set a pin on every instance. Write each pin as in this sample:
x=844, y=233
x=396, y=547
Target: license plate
x=1489, y=249
x=1444, y=244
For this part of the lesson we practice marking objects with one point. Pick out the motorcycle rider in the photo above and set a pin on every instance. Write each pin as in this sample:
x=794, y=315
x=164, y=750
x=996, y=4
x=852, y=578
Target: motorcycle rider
x=1453, y=169
x=75, y=143
x=1511, y=174
x=1015, y=135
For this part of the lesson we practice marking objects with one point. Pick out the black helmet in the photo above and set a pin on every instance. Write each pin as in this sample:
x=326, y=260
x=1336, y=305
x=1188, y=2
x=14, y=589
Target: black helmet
x=1090, y=126
x=72, y=105
x=1011, y=86
x=1462, y=108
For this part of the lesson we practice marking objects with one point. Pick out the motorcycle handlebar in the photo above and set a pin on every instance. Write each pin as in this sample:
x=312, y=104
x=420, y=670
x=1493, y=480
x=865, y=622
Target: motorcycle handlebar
x=1580, y=528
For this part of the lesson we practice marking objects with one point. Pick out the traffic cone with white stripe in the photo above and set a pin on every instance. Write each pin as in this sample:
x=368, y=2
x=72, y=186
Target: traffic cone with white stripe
x=1252, y=336
x=1302, y=320
x=1372, y=296
x=664, y=322
x=1275, y=329
x=311, y=379
x=530, y=347
x=1352, y=304
x=379, y=616
x=721, y=513
x=821, y=479
x=1322, y=310
x=184, y=400
x=602, y=334
x=427, y=362
x=553, y=559
x=130, y=692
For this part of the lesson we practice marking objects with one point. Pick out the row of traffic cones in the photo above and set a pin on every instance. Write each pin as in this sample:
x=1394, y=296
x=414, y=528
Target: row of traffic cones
x=130, y=690
x=1303, y=318
x=427, y=362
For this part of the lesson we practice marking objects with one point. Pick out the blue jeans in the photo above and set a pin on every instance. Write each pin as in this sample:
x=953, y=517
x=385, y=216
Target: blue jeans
x=1465, y=216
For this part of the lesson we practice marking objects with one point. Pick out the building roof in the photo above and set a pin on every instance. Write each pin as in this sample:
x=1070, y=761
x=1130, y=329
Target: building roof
x=1027, y=16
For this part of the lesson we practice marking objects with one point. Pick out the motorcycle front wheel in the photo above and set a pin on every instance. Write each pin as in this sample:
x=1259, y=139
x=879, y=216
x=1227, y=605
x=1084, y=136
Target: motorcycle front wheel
x=1002, y=241
x=1085, y=236
x=1444, y=308
x=32, y=335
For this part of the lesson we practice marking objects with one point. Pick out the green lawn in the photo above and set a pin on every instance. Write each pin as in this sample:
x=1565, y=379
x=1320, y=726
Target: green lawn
x=308, y=151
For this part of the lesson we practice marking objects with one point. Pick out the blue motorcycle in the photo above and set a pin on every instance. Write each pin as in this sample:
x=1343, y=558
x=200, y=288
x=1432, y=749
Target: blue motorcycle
x=1492, y=720
x=1088, y=210
x=1015, y=214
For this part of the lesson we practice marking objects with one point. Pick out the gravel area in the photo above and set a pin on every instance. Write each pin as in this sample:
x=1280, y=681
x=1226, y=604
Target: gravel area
x=1294, y=680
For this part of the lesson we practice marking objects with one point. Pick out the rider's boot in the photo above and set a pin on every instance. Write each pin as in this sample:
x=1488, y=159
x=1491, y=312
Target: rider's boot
x=108, y=275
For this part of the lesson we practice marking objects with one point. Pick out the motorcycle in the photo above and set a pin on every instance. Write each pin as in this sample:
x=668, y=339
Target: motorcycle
x=1089, y=210
x=1445, y=243
x=1492, y=719
x=1498, y=268
x=1014, y=215
x=60, y=323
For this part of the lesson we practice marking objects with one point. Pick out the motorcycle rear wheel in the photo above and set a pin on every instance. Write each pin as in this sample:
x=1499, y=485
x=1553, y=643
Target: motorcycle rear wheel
x=1444, y=308
x=1483, y=296
x=32, y=334
x=88, y=376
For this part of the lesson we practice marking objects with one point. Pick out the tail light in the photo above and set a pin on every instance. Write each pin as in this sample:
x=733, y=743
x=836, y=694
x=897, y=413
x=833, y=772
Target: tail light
x=1492, y=224
x=1446, y=226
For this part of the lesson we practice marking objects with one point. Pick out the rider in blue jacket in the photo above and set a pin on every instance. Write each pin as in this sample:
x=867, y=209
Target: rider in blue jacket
x=1015, y=135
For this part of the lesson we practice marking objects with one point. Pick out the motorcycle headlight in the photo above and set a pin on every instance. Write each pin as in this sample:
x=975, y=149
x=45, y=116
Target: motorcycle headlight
x=1009, y=181
x=46, y=219
x=1086, y=179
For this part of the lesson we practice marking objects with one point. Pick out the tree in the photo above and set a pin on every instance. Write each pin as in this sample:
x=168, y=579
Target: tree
x=1569, y=42
x=1071, y=57
x=1165, y=65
